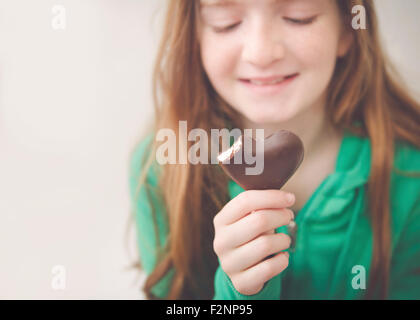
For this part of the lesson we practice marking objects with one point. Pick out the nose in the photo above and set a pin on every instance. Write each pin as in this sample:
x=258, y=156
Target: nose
x=262, y=45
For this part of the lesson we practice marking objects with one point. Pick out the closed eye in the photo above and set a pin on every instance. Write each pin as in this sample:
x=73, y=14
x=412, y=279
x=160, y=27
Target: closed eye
x=227, y=28
x=300, y=21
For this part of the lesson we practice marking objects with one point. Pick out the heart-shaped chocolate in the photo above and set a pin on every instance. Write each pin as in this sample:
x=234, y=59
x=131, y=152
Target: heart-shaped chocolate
x=283, y=154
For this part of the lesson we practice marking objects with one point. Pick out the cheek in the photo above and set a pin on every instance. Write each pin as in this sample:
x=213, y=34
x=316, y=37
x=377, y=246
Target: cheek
x=218, y=57
x=317, y=50
x=316, y=54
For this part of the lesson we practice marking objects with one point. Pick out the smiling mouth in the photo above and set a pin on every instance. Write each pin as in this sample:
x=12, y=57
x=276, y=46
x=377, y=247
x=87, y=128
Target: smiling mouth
x=271, y=82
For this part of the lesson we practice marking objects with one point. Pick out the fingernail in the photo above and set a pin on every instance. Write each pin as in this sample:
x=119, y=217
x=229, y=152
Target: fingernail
x=292, y=214
x=290, y=197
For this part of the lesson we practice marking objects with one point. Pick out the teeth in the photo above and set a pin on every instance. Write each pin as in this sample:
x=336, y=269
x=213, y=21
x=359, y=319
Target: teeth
x=263, y=83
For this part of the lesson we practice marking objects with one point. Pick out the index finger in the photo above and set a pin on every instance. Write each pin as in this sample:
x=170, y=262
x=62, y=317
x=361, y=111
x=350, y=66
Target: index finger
x=251, y=200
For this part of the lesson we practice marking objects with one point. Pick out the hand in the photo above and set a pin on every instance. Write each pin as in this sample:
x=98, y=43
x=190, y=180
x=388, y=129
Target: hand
x=243, y=238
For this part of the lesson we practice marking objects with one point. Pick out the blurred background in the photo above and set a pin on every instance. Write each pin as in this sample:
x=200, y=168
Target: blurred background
x=75, y=97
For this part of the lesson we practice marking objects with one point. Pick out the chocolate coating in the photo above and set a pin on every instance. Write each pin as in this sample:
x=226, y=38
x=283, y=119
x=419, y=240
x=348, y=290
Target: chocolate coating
x=283, y=154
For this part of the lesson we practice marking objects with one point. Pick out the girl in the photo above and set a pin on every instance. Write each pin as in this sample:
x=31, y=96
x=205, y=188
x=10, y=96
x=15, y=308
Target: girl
x=286, y=64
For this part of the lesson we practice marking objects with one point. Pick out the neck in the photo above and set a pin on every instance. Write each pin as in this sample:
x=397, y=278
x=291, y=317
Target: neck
x=311, y=126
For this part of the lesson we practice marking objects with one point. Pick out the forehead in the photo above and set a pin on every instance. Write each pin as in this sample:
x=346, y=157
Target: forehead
x=221, y=3
x=232, y=3
x=217, y=2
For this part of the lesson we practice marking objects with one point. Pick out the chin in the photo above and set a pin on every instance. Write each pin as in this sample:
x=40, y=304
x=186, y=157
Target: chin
x=268, y=118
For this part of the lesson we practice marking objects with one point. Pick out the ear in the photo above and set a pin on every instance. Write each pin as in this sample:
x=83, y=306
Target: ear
x=345, y=42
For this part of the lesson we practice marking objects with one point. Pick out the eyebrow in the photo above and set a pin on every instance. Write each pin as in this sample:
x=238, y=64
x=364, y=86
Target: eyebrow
x=218, y=3
x=226, y=3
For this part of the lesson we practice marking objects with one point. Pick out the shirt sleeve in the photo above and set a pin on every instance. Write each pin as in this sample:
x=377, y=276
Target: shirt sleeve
x=149, y=214
x=225, y=290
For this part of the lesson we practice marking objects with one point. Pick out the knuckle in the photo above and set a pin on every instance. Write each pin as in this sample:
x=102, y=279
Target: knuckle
x=259, y=221
x=267, y=270
x=243, y=286
x=215, y=225
x=285, y=238
x=263, y=244
x=218, y=245
x=215, y=246
x=238, y=284
x=289, y=213
x=284, y=195
x=243, y=199
x=225, y=266
x=285, y=262
x=271, y=268
x=216, y=220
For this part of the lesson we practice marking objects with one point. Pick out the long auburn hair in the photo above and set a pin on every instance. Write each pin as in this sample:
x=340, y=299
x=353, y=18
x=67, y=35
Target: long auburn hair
x=364, y=88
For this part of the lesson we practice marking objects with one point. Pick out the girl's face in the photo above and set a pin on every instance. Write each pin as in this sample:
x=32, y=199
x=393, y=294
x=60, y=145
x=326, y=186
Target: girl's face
x=271, y=60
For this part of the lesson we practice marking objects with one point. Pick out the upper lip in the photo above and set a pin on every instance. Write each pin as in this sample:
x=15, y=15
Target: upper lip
x=270, y=78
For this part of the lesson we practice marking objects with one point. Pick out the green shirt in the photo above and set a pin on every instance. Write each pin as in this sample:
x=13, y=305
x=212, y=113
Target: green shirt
x=334, y=238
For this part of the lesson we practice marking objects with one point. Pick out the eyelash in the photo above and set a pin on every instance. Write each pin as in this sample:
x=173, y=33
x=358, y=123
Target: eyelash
x=226, y=29
x=301, y=21
x=291, y=20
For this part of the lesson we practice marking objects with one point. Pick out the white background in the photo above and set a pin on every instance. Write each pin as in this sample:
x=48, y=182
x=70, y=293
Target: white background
x=73, y=103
